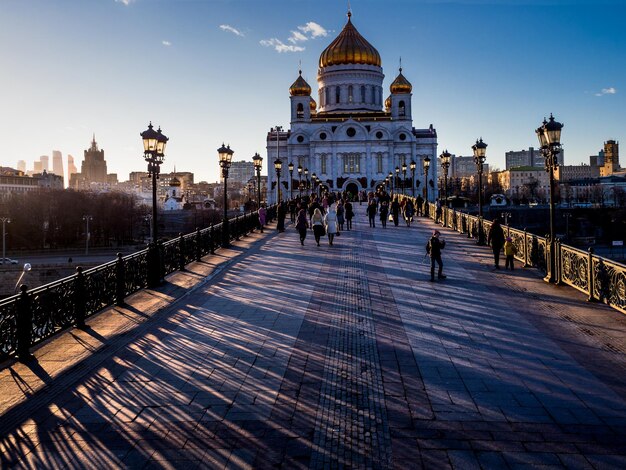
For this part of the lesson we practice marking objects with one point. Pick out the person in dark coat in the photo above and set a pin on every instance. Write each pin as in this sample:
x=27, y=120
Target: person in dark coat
x=419, y=201
x=496, y=240
x=301, y=225
x=371, y=212
x=384, y=213
x=433, y=248
x=281, y=213
x=395, y=211
x=349, y=215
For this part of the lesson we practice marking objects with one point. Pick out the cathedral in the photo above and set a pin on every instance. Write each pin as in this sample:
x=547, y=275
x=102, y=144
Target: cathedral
x=352, y=138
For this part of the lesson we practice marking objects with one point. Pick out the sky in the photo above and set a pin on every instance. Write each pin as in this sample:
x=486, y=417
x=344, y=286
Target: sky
x=213, y=71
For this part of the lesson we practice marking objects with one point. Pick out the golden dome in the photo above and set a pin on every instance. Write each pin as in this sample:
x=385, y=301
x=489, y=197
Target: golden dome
x=388, y=103
x=350, y=48
x=401, y=84
x=300, y=87
x=313, y=106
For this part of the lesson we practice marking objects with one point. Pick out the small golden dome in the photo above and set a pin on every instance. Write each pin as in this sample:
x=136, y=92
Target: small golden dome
x=388, y=103
x=174, y=182
x=400, y=84
x=350, y=48
x=300, y=87
x=313, y=106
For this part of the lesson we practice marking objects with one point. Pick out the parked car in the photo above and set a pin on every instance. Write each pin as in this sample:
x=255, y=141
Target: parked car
x=8, y=261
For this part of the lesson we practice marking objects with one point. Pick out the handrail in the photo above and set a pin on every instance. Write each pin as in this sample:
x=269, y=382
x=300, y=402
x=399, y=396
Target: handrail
x=34, y=315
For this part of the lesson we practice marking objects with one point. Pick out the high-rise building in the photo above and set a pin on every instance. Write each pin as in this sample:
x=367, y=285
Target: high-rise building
x=37, y=167
x=57, y=163
x=71, y=168
x=94, y=167
x=242, y=171
x=462, y=167
x=531, y=157
x=21, y=166
x=611, y=158
x=44, y=162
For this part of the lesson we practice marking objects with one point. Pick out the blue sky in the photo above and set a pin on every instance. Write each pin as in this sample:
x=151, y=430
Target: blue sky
x=209, y=71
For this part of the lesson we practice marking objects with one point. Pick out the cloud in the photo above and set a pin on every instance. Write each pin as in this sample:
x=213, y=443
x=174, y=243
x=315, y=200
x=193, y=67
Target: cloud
x=607, y=91
x=310, y=30
x=314, y=30
x=280, y=46
x=166, y=43
x=125, y=2
x=230, y=29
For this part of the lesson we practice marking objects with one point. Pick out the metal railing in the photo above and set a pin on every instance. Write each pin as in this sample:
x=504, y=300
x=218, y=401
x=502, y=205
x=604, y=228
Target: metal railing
x=37, y=314
x=601, y=279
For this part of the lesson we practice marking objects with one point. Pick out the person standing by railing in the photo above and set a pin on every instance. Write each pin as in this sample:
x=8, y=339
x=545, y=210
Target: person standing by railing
x=495, y=238
x=262, y=216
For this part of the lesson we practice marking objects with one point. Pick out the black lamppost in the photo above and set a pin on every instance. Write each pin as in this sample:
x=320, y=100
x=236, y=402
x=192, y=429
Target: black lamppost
x=549, y=135
x=396, y=180
x=403, y=176
x=390, y=181
x=314, y=183
x=258, y=160
x=445, y=164
x=387, y=183
x=290, y=167
x=300, y=179
x=154, y=153
x=426, y=164
x=412, y=166
x=226, y=157
x=278, y=165
x=480, y=149
x=306, y=178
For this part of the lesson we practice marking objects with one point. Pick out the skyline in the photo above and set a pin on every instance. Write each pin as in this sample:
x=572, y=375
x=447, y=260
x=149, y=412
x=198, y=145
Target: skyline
x=219, y=71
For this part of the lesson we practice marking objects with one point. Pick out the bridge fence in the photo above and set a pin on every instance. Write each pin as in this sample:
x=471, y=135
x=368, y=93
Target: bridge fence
x=34, y=315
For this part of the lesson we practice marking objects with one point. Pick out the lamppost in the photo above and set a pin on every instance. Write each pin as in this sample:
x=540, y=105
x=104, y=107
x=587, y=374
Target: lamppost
x=390, y=181
x=396, y=179
x=412, y=165
x=306, y=178
x=300, y=179
x=290, y=166
x=480, y=149
x=445, y=164
x=258, y=160
x=87, y=219
x=4, y=220
x=278, y=130
x=148, y=219
x=314, y=182
x=549, y=135
x=403, y=176
x=226, y=157
x=506, y=216
x=154, y=153
x=278, y=165
x=426, y=164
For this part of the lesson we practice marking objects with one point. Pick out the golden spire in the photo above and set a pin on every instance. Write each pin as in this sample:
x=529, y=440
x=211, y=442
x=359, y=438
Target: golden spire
x=300, y=87
x=349, y=47
x=400, y=84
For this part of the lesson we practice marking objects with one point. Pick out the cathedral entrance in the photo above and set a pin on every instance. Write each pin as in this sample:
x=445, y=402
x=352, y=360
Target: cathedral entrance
x=353, y=189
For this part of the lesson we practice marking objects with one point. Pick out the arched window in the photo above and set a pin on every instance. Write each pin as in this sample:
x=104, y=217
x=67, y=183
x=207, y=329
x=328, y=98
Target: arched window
x=337, y=95
x=362, y=93
x=300, y=111
x=401, y=109
x=350, y=94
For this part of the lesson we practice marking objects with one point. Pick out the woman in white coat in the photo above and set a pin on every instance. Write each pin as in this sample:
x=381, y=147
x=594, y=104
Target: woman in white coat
x=331, y=224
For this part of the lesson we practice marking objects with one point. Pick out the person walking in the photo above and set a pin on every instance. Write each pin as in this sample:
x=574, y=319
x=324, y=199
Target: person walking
x=302, y=225
x=331, y=224
x=292, y=210
x=281, y=213
x=395, y=211
x=419, y=202
x=262, y=216
x=317, y=222
x=509, y=251
x=495, y=238
x=433, y=248
x=438, y=211
x=340, y=215
x=371, y=212
x=349, y=215
x=384, y=213
x=408, y=212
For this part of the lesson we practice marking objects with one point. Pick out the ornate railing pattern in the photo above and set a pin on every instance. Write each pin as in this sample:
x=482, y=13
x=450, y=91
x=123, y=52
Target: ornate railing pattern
x=33, y=316
x=601, y=279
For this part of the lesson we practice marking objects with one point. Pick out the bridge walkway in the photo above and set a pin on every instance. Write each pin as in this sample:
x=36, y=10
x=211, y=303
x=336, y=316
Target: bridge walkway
x=276, y=355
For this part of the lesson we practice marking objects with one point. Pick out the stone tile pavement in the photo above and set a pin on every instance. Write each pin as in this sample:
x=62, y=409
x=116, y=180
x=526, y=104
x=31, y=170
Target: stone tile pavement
x=273, y=355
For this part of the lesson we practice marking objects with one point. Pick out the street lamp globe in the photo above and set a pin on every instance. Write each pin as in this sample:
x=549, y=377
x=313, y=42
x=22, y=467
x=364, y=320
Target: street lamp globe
x=150, y=139
x=480, y=150
x=412, y=165
x=290, y=167
x=426, y=164
x=278, y=165
x=225, y=156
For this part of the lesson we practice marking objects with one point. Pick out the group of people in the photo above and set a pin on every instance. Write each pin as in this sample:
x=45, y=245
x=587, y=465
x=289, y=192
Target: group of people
x=388, y=208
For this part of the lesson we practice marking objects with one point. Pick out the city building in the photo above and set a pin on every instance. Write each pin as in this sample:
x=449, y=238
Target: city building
x=355, y=137
x=57, y=163
x=37, y=167
x=525, y=182
x=611, y=158
x=528, y=158
x=71, y=167
x=21, y=166
x=576, y=172
x=44, y=159
x=240, y=171
x=463, y=167
x=93, y=173
x=174, y=197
